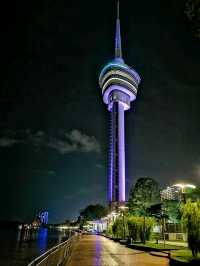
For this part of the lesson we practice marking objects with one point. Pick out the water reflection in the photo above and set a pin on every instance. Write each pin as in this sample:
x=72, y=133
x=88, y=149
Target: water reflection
x=42, y=239
x=18, y=247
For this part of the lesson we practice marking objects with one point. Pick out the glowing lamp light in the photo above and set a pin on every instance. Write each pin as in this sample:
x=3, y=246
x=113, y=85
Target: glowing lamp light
x=185, y=186
x=123, y=207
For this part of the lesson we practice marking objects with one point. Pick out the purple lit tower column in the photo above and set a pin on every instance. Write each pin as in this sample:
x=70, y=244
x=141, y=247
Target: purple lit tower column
x=119, y=84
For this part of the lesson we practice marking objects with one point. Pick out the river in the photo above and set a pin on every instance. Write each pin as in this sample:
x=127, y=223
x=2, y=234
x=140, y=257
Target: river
x=18, y=248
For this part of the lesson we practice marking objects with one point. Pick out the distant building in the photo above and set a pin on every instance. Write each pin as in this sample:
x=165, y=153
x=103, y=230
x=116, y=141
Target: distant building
x=36, y=222
x=176, y=192
x=43, y=217
x=171, y=193
x=40, y=219
x=97, y=226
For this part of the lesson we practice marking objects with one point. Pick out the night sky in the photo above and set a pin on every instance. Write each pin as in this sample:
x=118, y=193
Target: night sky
x=53, y=123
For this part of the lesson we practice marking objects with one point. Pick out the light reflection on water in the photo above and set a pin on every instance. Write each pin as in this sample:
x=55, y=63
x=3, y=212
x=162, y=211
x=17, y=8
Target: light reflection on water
x=18, y=247
x=42, y=239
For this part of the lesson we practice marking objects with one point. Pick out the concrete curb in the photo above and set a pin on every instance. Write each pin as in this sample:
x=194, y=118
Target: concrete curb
x=160, y=254
x=149, y=249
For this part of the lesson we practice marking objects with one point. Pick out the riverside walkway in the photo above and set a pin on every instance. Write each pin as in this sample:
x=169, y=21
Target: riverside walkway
x=94, y=250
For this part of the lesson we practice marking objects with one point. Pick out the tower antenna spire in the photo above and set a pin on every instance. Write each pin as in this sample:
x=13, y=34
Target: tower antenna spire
x=118, y=9
x=118, y=48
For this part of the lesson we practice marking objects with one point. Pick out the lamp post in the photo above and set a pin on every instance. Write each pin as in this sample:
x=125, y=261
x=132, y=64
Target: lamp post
x=123, y=210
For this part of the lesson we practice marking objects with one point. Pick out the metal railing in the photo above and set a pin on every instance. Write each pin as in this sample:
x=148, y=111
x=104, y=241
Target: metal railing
x=57, y=255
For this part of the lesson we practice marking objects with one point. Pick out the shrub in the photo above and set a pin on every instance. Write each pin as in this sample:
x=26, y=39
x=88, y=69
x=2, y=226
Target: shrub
x=138, y=226
x=120, y=228
x=109, y=230
x=191, y=222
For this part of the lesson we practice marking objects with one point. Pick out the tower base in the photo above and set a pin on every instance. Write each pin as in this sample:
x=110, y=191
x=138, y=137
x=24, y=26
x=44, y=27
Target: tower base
x=115, y=206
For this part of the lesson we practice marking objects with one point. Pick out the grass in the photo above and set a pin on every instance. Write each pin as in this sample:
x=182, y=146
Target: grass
x=159, y=246
x=184, y=255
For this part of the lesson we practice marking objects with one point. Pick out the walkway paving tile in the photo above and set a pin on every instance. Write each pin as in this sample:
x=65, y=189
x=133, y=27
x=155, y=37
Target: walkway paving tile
x=93, y=250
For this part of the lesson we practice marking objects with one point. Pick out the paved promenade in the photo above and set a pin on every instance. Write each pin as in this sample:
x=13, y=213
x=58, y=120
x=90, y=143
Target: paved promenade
x=94, y=250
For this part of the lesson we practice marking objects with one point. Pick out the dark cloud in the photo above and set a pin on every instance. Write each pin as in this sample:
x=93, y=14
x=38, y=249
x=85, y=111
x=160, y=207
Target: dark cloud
x=73, y=141
x=99, y=166
x=7, y=142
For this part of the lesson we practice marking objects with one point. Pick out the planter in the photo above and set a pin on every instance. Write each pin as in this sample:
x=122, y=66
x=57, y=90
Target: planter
x=123, y=241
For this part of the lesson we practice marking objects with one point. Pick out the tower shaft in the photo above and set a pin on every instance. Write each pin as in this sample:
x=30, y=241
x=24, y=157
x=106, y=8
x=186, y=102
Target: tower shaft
x=117, y=155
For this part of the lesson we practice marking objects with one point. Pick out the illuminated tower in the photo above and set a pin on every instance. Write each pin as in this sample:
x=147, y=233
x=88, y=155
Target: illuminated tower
x=119, y=84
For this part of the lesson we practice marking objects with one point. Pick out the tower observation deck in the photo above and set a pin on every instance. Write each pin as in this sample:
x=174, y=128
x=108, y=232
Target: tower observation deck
x=119, y=84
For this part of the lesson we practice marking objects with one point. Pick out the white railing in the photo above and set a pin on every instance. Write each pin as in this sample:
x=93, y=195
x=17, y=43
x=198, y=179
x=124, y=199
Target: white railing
x=56, y=255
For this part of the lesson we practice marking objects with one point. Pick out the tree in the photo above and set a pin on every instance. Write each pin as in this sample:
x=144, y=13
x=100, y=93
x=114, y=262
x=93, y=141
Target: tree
x=143, y=195
x=117, y=228
x=193, y=194
x=191, y=222
x=93, y=212
x=192, y=13
x=172, y=209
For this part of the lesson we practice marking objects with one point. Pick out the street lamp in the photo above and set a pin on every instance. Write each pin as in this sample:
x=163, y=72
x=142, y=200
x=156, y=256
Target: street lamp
x=123, y=209
x=183, y=186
